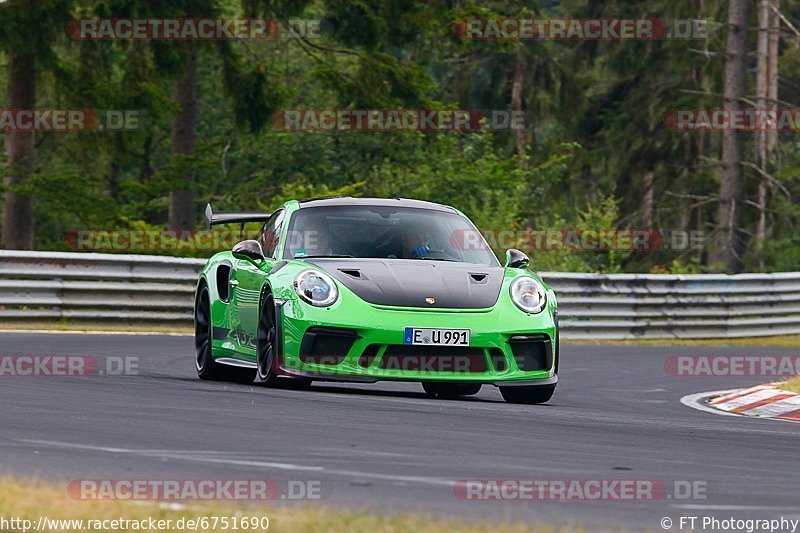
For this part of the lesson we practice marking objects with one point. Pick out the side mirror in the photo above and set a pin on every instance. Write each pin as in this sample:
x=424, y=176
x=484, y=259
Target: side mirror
x=516, y=259
x=249, y=250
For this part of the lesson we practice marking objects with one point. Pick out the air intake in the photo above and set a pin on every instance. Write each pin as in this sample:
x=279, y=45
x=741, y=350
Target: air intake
x=352, y=272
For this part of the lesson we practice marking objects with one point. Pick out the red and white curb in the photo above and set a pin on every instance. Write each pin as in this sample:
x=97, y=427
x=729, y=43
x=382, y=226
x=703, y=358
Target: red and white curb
x=763, y=401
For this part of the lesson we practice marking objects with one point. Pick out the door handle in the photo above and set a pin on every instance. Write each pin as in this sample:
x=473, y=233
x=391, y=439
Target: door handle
x=234, y=283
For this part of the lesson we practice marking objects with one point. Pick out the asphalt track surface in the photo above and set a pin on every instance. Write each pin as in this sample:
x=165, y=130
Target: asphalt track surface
x=616, y=415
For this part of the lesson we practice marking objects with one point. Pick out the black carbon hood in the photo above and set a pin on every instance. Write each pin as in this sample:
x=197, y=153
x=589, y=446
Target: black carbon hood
x=410, y=282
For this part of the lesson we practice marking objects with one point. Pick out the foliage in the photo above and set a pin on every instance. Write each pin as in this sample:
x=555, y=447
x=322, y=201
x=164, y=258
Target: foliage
x=594, y=137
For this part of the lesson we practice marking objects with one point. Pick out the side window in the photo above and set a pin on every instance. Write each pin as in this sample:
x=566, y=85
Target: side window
x=270, y=233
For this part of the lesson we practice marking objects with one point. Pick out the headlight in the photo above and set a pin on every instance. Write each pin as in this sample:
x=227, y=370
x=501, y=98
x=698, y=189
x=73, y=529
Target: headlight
x=528, y=294
x=316, y=288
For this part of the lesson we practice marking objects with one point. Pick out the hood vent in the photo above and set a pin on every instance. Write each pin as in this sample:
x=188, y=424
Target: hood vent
x=406, y=283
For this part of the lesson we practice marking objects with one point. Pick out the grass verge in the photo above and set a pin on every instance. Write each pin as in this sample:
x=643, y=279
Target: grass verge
x=793, y=385
x=783, y=341
x=30, y=500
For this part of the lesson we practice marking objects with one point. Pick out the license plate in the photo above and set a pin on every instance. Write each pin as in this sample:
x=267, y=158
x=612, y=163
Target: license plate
x=437, y=337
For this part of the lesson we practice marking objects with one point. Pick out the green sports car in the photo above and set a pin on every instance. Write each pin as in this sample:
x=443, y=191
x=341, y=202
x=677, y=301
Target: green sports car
x=362, y=290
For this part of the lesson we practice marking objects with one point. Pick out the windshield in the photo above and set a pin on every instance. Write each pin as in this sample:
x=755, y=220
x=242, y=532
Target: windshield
x=386, y=233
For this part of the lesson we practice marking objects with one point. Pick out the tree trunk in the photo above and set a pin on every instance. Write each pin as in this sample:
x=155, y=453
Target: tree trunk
x=761, y=228
x=767, y=98
x=516, y=98
x=184, y=141
x=729, y=242
x=647, y=201
x=20, y=152
x=762, y=72
x=762, y=79
x=771, y=140
x=772, y=80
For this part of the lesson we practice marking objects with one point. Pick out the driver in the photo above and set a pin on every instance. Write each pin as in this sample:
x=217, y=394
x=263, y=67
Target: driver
x=416, y=243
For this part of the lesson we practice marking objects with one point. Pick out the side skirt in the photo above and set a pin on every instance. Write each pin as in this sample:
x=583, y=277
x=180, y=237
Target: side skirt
x=235, y=362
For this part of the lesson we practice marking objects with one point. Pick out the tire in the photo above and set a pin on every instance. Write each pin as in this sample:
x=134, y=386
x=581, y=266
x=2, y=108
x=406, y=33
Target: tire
x=450, y=390
x=528, y=395
x=266, y=352
x=207, y=368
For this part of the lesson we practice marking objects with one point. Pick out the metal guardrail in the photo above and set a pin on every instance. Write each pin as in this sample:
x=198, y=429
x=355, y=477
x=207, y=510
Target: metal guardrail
x=664, y=306
x=46, y=286
x=153, y=290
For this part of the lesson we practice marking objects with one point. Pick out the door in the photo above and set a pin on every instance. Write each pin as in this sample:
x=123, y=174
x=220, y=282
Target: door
x=247, y=281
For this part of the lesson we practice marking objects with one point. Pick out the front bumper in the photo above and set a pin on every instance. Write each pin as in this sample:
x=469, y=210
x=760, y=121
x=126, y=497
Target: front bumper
x=507, y=347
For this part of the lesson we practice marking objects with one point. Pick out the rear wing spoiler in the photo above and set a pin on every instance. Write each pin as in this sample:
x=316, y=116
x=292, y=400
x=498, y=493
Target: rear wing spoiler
x=234, y=217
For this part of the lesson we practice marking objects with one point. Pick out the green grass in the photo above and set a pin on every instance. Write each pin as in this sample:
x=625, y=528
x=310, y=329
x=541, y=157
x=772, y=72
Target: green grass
x=783, y=341
x=793, y=385
x=30, y=500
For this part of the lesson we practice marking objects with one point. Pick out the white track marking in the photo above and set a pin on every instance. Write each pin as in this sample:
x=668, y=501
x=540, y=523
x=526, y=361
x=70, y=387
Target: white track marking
x=337, y=452
x=197, y=457
x=166, y=454
x=151, y=451
x=645, y=391
x=696, y=401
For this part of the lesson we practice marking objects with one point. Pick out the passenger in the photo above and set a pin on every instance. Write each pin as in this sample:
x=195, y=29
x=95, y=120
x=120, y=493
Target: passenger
x=315, y=239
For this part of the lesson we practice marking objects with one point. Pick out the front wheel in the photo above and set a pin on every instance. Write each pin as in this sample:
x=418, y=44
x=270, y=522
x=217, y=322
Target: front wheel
x=266, y=350
x=450, y=390
x=528, y=395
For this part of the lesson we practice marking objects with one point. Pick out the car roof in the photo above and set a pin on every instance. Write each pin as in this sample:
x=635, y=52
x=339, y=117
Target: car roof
x=379, y=202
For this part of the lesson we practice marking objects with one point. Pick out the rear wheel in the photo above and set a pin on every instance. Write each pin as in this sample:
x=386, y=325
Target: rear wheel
x=266, y=349
x=207, y=368
x=528, y=395
x=450, y=390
